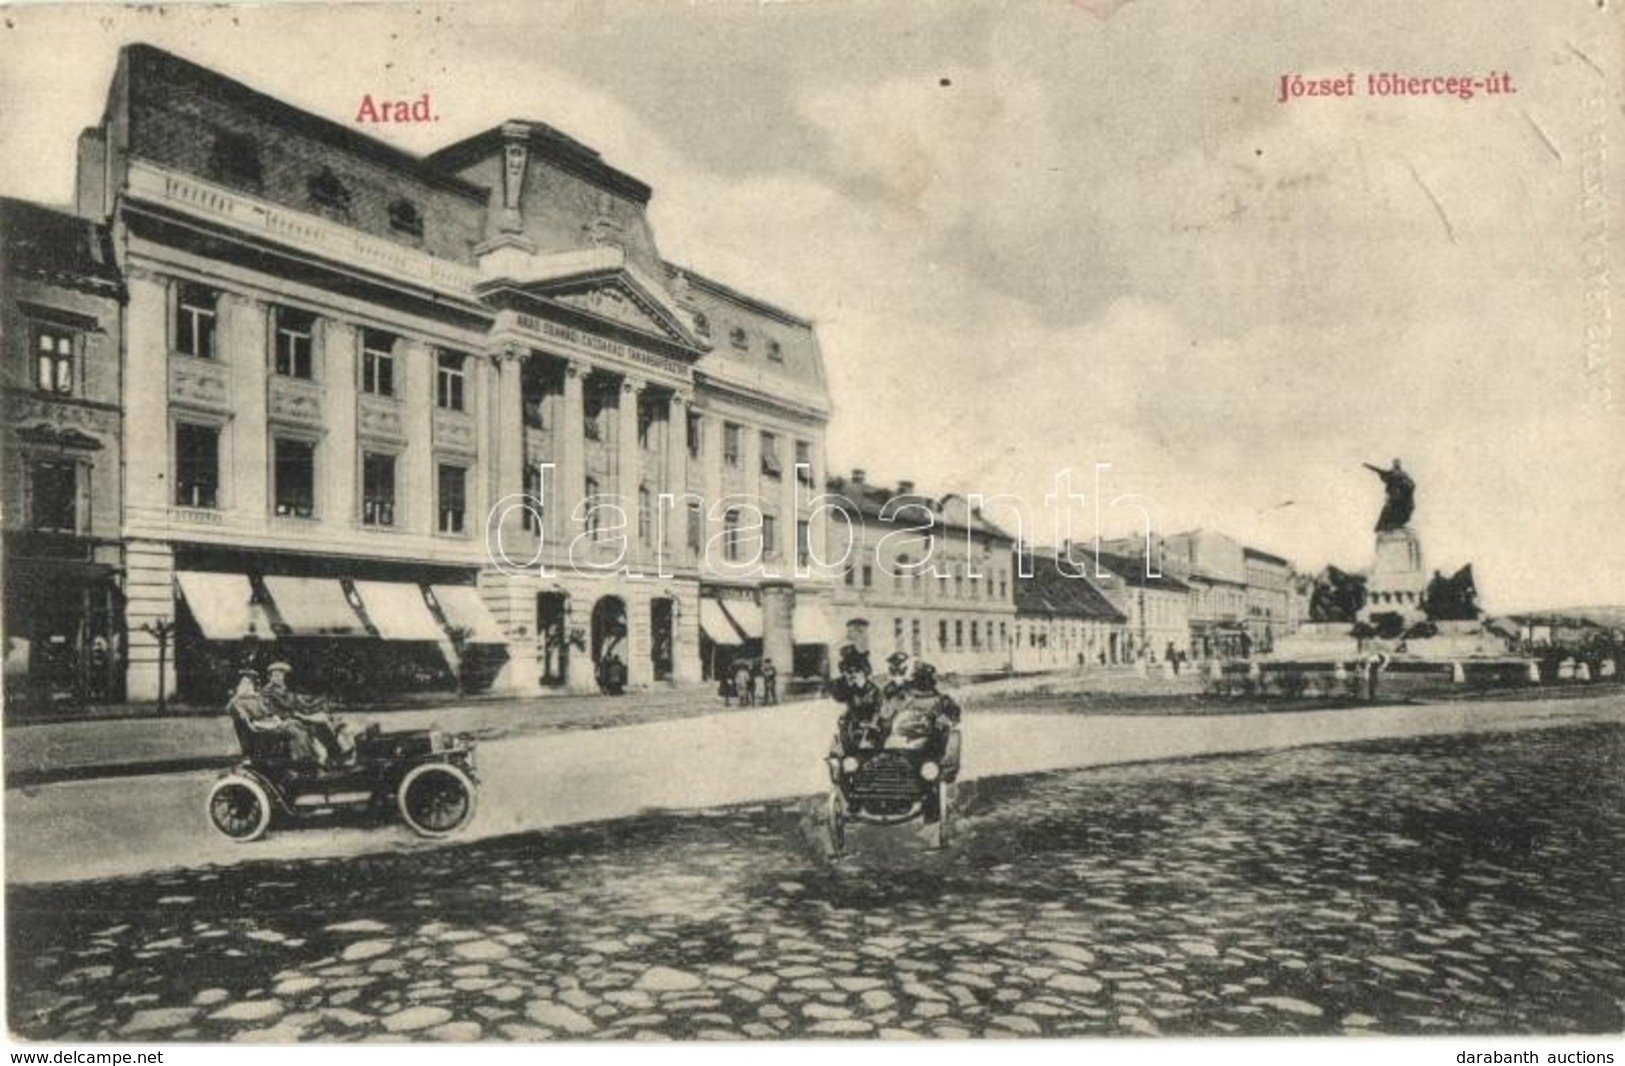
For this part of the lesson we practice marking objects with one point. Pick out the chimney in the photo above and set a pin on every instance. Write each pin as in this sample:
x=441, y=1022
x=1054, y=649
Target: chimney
x=905, y=488
x=857, y=476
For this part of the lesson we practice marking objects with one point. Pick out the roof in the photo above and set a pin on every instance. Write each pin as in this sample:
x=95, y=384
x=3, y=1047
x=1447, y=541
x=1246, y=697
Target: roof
x=1263, y=556
x=1054, y=592
x=550, y=143
x=147, y=63
x=1132, y=571
x=45, y=244
x=871, y=499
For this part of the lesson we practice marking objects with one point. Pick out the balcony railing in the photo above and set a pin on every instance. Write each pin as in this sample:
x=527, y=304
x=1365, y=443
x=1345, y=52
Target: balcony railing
x=249, y=214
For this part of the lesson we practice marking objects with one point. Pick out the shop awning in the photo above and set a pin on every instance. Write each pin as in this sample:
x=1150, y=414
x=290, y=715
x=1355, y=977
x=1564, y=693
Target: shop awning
x=314, y=606
x=463, y=608
x=398, y=611
x=223, y=605
x=746, y=615
x=812, y=625
x=716, y=625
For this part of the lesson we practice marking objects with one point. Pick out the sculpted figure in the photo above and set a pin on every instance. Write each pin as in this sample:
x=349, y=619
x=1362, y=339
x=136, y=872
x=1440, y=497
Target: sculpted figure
x=1401, y=502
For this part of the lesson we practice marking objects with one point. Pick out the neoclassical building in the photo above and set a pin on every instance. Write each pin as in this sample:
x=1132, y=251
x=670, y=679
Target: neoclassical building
x=416, y=421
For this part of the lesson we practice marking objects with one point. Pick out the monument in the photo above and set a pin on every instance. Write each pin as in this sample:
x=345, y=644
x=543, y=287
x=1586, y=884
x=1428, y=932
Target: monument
x=1399, y=582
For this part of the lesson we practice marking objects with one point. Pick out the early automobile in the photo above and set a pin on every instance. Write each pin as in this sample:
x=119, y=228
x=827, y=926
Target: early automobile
x=425, y=775
x=908, y=780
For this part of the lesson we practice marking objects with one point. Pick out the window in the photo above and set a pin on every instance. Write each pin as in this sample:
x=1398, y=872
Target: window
x=976, y=634
x=702, y=325
x=696, y=527
x=293, y=332
x=531, y=517
x=804, y=470
x=450, y=376
x=898, y=573
x=770, y=456
x=53, y=349
x=295, y=472
x=591, y=499
x=452, y=498
x=696, y=437
x=897, y=633
x=377, y=362
x=53, y=486
x=732, y=438
x=1004, y=636
x=851, y=575
x=197, y=465
x=914, y=637
x=195, y=308
x=328, y=194
x=868, y=576
x=804, y=543
x=404, y=218
x=942, y=635
x=646, y=523
x=959, y=634
x=770, y=535
x=377, y=489
x=730, y=535
x=235, y=160
x=775, y=351
x=738, y=339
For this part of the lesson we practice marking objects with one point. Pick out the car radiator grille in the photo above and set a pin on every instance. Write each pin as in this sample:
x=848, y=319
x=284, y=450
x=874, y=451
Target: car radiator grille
x=888, y=775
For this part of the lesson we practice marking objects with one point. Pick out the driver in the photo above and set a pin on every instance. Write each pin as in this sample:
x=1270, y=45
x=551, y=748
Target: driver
x=862, y=726
x=310, y=712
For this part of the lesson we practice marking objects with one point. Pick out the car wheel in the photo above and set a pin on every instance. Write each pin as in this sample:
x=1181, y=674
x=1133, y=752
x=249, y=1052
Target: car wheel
x=239, y=808
x=436, y=800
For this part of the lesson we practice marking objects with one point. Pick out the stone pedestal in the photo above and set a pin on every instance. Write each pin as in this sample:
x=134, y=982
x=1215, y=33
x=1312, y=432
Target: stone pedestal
x=1398, y=578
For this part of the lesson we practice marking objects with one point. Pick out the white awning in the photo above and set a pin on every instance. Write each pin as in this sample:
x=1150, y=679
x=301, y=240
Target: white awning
x=811, y=625
x=716, y=624
x=222, y=605
x=463, y=608
x=398, y=610
x=746, y=615
x=314, y=606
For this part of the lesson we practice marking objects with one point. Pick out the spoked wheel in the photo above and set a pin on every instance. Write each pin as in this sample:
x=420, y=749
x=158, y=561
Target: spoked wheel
x=835, y=821
x=239, y=808
x=436, y=800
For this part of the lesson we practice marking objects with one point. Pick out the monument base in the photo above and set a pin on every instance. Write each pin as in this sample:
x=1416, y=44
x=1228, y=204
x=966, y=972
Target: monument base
x=1399, y=580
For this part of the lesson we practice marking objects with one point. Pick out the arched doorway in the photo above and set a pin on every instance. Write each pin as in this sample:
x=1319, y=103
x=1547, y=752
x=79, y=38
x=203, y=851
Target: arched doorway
x=552, y=631
x=609, y=643
x=662, y=637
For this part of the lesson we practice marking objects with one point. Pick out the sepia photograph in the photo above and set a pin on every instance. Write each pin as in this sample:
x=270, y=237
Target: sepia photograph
x=1087, y=522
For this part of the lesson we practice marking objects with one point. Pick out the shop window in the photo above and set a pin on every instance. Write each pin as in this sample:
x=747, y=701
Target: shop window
x=197, y=465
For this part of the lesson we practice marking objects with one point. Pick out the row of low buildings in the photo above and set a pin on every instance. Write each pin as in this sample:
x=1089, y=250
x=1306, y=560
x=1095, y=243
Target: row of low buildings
x=273, y=387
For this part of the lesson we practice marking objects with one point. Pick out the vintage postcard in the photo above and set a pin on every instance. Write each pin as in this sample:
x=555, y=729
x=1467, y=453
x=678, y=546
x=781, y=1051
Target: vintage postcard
x=619, y=521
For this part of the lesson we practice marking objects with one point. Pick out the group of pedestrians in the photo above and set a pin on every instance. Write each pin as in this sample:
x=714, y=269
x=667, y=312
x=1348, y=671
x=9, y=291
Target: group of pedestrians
x=750, y=682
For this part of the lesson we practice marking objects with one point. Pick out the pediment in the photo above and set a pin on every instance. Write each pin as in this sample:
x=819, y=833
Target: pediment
x=621, y=303
x=597, y=281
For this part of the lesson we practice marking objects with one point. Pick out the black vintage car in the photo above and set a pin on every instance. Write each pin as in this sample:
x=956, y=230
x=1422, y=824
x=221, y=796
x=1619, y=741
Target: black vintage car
x=425, y=775
x=905, y=781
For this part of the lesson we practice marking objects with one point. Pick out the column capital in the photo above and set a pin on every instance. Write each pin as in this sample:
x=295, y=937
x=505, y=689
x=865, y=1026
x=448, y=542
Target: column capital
x=574, y=368
x=632, y=386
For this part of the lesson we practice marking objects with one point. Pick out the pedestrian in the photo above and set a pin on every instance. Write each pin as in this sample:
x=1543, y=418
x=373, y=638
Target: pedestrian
x=309, y=711
x=770, y=683
x=725, y=689
x=742, y=682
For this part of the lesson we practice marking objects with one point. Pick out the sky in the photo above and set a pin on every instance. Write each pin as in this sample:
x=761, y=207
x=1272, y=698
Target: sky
x=1046, y=236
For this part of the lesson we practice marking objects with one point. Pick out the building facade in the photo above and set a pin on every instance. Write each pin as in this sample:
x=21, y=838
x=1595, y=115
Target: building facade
x=1157, y=607
x=61, y=312
x=1063, y=620
x=1268, y=598
x=930, y=577
x=422, y=422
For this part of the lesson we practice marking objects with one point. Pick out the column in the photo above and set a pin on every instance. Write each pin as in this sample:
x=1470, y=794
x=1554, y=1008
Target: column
x=149, y=589
x=338, y=495
x=676, y=480
x=507, y=454
x=711, y=480
x=789, y=513
x=245, y=461
x=627, y=465
x=415, y=477
x=570, y=477
x=147, y=488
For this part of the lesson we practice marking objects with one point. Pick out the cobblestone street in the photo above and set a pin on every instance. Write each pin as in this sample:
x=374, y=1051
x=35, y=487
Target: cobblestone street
x=1466, y=884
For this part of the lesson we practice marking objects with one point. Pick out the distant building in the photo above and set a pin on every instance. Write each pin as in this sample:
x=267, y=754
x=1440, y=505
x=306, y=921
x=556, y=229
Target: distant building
x=1268, y=592
x=927, y=576
x=61, y=312
x=1062, y=618
x=1156, y=607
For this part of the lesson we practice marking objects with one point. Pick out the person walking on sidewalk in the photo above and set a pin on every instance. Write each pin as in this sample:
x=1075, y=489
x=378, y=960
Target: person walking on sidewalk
x=770, y=683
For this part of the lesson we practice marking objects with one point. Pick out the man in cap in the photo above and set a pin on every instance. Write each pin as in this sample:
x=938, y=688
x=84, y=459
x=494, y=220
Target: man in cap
x=896, y=687
x=249, y=705
x=308, y=711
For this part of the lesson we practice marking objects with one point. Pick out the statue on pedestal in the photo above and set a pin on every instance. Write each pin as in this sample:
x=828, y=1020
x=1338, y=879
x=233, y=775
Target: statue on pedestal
x=1401, y=502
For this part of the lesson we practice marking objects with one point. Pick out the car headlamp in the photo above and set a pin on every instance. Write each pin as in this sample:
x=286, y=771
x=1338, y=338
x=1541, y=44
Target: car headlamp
x=849, y=765
x=930, y=771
